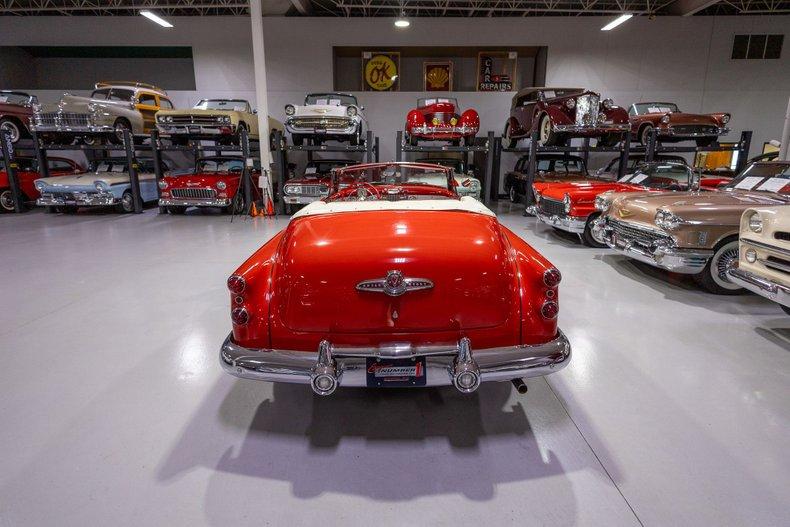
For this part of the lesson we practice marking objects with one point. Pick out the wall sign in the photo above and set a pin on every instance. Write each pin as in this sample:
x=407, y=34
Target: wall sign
x=496, y=70
x=437, y=76
x=380, y=70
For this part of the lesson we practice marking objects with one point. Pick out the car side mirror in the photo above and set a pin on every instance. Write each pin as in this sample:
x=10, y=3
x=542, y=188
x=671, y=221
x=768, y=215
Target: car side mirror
x=255, y=112
x=696, y=180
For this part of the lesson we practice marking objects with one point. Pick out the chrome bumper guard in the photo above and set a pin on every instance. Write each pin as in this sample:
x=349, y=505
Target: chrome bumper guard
x=598, y=127
x=431, y=130
x=572, y=224
x=451, y=365
x=755, y=283
x=321, y=130
x=79, y=200
x=197, y=202
x=671, y=132
x=202, y=129
x=662, y=255
x=42, y=129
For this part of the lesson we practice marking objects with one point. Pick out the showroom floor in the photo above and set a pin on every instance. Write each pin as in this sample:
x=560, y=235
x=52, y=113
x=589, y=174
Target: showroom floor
x=114, y=410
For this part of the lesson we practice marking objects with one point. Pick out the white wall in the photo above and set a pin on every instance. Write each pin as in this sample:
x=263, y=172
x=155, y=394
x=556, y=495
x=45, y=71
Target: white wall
x=672, y=58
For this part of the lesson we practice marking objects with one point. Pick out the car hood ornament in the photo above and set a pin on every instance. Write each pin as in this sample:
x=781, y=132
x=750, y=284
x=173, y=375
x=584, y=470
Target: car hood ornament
x=394, y=284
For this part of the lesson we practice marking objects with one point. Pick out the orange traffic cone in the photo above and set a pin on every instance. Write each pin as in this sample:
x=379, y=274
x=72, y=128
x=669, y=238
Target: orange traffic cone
x=269, y=206
x=253, y=210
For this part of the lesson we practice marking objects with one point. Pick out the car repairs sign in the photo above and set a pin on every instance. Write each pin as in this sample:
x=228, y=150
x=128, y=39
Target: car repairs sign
x=496, y=70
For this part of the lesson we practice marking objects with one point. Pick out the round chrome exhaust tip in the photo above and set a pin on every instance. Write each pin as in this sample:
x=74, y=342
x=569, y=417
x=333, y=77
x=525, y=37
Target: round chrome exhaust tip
x=466, y=373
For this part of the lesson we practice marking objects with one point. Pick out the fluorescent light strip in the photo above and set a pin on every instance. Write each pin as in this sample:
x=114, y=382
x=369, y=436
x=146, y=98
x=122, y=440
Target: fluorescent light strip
x=616, y=22
x=156, y=18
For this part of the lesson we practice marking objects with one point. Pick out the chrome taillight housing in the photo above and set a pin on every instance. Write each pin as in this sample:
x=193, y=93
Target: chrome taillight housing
x=236, y=284
x=240, y=316
x=550, y=310
x=552, y=277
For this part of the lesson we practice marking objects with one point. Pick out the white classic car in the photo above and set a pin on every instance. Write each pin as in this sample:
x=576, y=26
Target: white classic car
x=763, y=265
x=326, y=116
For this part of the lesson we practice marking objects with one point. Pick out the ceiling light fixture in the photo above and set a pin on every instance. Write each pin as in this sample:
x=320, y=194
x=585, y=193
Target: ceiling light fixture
x=153, y=17
x=402, y=21
x=616, y=22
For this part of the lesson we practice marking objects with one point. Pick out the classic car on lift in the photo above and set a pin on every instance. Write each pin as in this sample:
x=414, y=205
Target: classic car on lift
x=763, y=265
x=221, y=119
x=694, y=233
x=105, y=184
x=16, y=108
x=214, y=182
x=558, y=114
x=313, y=184
x=549, y=167
x=466, y=184
x=574, y=207
x=439, y=293
x=112, y=107
x=673, y=126
x=611, y=170
x=27, y=173
x=438, y=119
x=326, y=116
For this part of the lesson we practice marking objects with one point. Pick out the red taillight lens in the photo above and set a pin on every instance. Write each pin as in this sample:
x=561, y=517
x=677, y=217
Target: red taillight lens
x=239, y=316
x=550, y=310
x=552, y=277
x=236, y=284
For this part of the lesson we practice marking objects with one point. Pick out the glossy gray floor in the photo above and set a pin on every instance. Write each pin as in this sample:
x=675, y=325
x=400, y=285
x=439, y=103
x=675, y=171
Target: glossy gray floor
x=114, y=411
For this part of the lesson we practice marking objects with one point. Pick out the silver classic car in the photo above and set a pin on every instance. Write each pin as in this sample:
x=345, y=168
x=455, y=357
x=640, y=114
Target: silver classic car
x=326, y=116
x=112, y=107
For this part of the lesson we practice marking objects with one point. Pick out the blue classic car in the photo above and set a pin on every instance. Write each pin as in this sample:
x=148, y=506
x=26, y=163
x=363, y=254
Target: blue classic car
x=105, y=184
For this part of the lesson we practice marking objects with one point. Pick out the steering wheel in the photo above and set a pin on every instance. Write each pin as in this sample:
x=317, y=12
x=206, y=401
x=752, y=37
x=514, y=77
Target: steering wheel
x=370, y=189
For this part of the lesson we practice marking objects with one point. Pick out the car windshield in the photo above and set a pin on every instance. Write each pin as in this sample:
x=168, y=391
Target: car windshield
x=561, y=165
x=109, y=166
x=434, y=100
x=660, y=175
x=220, y=165
x=332, y=99
x=764, y=177
x=236, y=105
x=395, y=179
x=643, y=108
x=15, y=98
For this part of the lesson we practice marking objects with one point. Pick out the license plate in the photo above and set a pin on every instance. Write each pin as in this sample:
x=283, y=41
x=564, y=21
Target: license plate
x=395, y=372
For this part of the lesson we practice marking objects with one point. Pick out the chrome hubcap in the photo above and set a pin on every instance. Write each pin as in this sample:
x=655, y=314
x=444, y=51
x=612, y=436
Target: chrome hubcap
x=722, y=260
x=7, y=200
x=545, y=129
x=127, y=202
x=12, y=130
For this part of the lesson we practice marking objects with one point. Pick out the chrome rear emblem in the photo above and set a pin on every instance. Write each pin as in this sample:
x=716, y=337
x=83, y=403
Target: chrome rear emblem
x=394, y=284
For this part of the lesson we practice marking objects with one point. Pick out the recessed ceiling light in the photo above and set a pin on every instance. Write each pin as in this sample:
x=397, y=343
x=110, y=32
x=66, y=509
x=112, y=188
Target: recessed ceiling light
x=156, y=18
x=616, y=22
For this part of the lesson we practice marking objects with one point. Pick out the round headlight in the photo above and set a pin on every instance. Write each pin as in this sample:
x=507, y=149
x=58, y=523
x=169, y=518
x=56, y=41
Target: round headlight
x=226, y=118
x=601, y=116
x=755, y=222
x=725, y=118
x=221, y=185
x=607, y=104
x=570, y=104
x=162, y=184
x=40, y=185
x=169, y=118
x=100, y=186
x=289, y=189
x=160, y=118
x=566, y=200
x=751, y=255
x=665, y=119
x=601, y=203
x=351, y=111
x=290, y=109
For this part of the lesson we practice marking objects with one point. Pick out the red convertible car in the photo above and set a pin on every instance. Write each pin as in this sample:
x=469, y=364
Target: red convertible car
x=27, y=173
x=575, y=206
x=394, y=281
x=673, y=125
x=16, y=108
x=558, y=114
x=214, y=182
x=438, y=119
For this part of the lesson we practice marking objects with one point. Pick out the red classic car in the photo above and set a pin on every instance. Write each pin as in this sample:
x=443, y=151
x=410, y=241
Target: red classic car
x=394, y=281
x=438, y=119
x=549, y=167
x=214, y=182
x=558, y=114
x=313, y=184
x=16, y=108
x=574, y=207
x=27, y=173
x=673, y=125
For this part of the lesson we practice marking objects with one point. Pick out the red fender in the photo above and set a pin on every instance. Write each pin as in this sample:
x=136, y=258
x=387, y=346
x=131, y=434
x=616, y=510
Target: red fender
x=471, y=119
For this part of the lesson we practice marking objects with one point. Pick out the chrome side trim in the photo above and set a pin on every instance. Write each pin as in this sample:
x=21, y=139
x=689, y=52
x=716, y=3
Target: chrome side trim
x=494, y=364
x=755, y=283
x=766, y=246
x=592, y=127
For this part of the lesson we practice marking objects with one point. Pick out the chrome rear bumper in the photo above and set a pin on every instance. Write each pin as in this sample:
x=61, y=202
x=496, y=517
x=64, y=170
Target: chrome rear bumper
x=347, y=367
x=755, y=283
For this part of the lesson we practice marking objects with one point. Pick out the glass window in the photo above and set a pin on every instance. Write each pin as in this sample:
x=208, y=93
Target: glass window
x=220, y=164
x=395, y=175
x=773, y=177
x=100, y=94
x=148, y=99
x=118, y=94
x=237, y=105
x=643, y=108
x=56, y=164
x=165, y=103
x=332, y=99
x=660, y=175
x=436, y=100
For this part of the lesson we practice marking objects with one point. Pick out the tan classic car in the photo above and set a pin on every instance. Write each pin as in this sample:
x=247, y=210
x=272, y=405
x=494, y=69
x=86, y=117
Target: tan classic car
x=222, y=119
x=763, y=266
x=112, y=107
x=693, y=232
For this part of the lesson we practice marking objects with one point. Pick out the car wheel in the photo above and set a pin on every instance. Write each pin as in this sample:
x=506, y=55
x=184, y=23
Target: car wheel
x=546, y=135
x=119, y=127
x=176, y=210
x=513, y=195
x=506, y=139
x=587, y=236
x=12, y=128
x=644, y=134
x=237, y=206
x=7, y=200
x=714, y=276
x=127, y=203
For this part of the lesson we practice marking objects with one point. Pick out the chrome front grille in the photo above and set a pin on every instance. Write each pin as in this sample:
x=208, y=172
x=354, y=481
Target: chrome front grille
x=313, y=190
x=71, y=119
x=46, y=119
x=630, y=233
x=193, y=193
x=551, y=207
x=587, y=108
x=61, y=119
x=441, y=118
x=320, y=122
x=695, y=129
x=206, y=120
x=777, y=264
